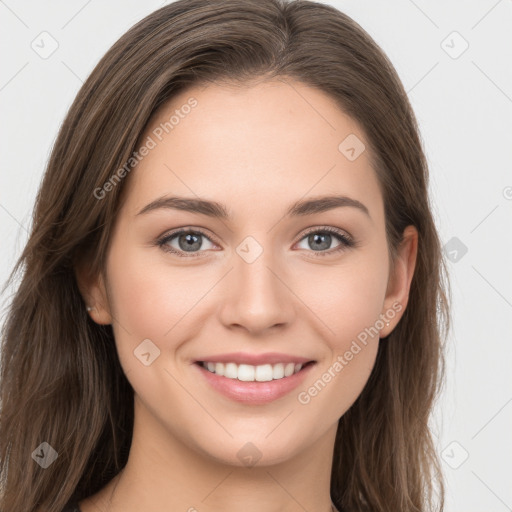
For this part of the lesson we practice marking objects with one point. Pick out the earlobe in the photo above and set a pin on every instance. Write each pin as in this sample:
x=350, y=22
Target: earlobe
x=399, y=284
x=94, y=294
x=100, y=315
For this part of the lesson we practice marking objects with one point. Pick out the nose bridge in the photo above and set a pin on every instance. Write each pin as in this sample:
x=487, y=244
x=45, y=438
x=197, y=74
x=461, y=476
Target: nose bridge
x=256, y=297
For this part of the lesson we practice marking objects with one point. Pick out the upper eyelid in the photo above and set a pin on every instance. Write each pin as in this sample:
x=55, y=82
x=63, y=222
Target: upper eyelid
x=329, y=229
x=187, y=229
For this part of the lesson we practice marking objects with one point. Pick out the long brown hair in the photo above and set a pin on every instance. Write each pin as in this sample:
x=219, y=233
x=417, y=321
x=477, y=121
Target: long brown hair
x=61, y=380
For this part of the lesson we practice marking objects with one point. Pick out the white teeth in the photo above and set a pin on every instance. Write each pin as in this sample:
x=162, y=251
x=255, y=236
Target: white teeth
x=219, y=368
x=245, y=372
x=230, y=371
x=264, y=373
x=250, y=373
x=278, y=371
x=289, y=369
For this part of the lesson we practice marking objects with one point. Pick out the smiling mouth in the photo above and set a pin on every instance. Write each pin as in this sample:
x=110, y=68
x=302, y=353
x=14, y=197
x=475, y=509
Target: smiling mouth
x=253, y=373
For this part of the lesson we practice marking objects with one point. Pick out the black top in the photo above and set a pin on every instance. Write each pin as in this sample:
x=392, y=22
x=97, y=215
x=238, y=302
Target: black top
x=72, y=507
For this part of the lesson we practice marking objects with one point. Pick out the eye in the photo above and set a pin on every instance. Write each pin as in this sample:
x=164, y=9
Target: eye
x=321, y=238
x=187, y=240
x=183, y=241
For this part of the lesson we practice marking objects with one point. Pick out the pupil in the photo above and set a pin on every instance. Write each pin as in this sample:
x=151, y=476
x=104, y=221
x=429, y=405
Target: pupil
x=317, y=238
x=191, y=239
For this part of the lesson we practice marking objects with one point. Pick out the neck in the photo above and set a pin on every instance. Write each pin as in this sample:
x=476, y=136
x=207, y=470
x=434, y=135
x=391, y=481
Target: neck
x=165, y=473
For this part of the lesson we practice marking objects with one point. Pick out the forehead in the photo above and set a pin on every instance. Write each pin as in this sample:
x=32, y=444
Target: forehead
x=271, y=141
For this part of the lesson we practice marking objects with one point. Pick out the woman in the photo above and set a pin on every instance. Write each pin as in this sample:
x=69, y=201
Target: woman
x=233, y=292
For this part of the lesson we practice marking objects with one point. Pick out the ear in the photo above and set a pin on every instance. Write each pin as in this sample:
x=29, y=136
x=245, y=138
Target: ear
x=93, y=290
x=399, y=283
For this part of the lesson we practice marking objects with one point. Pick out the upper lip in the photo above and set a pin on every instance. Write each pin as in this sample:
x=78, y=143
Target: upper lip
x=254, y=359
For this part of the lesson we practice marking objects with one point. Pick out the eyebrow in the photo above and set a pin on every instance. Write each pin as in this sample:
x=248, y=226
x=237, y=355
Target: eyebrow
x=217, y=210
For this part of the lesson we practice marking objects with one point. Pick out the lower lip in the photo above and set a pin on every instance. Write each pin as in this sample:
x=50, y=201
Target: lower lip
x=255, y=393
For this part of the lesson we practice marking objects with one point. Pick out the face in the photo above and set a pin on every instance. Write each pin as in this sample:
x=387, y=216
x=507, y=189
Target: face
x=311, y=285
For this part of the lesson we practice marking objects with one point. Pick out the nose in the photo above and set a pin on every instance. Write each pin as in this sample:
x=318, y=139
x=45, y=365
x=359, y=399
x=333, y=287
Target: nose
x=257, y=297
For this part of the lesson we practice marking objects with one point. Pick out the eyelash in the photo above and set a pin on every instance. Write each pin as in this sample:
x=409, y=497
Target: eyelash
x=346, y=241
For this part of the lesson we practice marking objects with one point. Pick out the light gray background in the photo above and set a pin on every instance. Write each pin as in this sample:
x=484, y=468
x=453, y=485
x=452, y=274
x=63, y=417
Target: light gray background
x=464, y=107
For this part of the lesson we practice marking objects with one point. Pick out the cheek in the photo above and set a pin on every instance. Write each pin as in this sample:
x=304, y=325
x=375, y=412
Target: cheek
x=347, y=301
x=346, y=298
x=149, y=300
x=348, y=304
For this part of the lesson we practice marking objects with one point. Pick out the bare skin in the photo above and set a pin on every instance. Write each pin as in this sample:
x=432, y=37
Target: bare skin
x=257, y=150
